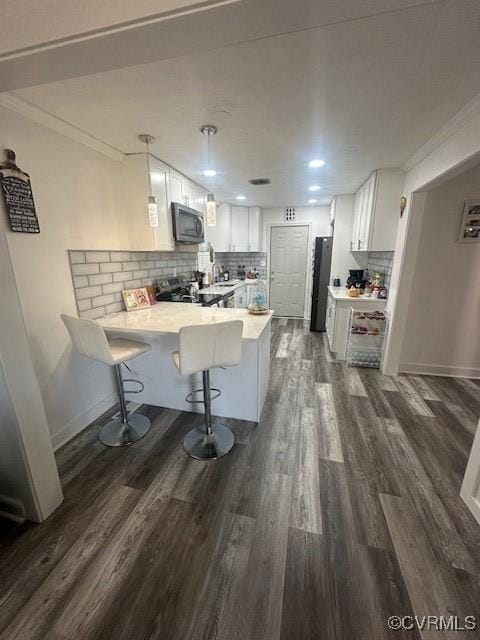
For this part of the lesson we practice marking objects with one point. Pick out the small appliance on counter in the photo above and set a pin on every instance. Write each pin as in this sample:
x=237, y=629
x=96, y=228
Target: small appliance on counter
x=356, y=279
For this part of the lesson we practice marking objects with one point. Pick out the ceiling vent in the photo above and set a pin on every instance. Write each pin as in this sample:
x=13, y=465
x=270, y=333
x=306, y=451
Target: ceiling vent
x=289, y=214
x=259, y=181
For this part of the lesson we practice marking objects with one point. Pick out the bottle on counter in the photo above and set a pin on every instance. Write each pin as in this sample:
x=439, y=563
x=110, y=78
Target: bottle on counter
x=226, y=275
x=151, y=290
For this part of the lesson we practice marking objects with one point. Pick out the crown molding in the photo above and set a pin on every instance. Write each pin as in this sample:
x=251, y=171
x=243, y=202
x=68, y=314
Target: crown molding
x=467, y=113
x=40, y=116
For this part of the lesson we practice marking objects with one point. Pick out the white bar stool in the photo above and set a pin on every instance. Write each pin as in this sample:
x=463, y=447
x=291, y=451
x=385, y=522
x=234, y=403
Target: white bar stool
x=202, y=348
x=89, y=339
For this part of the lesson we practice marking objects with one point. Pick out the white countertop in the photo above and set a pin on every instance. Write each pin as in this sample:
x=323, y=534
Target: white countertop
x=220, y=289
x=340, y=293
x=170, y=317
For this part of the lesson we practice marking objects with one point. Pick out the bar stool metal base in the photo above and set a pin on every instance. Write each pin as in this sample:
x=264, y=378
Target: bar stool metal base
x=203, y=446
x=118, y=434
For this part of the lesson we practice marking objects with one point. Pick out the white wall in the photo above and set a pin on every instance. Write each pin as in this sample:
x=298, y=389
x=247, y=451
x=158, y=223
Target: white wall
x=442, y=331
x=29, y=483
x=317, y=216
x=457, y=145
x=342, y=258
x=78, y=197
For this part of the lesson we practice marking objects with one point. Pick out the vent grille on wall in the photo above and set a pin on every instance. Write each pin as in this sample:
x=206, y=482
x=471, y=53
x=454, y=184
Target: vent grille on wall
x=289, y=214
x=259, y=181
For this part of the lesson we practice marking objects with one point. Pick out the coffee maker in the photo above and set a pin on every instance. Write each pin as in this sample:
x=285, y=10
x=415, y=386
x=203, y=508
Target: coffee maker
x=356, y=278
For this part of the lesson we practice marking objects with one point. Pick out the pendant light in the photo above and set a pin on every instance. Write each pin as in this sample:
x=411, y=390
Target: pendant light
x=210, y=130
x=152, y=201
x=211, y=211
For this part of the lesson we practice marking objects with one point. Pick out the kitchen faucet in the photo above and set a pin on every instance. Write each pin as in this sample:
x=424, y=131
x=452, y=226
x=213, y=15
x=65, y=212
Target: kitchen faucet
x=216, y=264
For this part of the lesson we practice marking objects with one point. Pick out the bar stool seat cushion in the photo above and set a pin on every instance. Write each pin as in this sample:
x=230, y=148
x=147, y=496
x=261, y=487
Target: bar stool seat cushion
x=209, y=346
x=123, y=349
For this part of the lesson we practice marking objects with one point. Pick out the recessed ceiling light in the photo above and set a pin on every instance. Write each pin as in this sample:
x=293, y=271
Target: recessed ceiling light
x=241, y=197
x=314, y=187
x=209, y=173
x=312, y=201
x=316, y=164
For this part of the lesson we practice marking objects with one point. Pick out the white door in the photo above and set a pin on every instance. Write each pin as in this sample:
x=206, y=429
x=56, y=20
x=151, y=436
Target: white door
x=288, y=269
x=471, y=483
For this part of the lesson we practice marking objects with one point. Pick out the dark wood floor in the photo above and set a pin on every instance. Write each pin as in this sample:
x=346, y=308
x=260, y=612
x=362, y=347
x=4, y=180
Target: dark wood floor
x=339, y=509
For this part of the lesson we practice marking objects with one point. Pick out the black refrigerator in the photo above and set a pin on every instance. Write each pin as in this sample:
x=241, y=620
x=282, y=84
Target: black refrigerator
x=321, y=277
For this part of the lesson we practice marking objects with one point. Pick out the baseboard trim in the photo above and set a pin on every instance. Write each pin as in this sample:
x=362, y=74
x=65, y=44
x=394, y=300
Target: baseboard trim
x=439, y=370
x=11, y=509
x=79, y=423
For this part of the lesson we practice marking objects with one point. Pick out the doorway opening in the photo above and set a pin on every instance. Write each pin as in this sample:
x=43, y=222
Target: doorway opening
x=288, y=260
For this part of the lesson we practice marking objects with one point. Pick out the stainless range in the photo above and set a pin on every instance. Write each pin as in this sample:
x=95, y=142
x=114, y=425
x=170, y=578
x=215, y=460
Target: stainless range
x=176, y=289
x=180, y=289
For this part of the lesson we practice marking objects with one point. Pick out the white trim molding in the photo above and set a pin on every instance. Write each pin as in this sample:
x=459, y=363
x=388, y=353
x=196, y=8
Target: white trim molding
x=469, y=112
x=46, y=119
x=439, y=370
x=82, y=421
x=309, y=268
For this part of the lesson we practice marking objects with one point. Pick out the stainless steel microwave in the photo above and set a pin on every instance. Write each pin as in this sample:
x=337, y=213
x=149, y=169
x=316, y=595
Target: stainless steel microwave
x=187, y=224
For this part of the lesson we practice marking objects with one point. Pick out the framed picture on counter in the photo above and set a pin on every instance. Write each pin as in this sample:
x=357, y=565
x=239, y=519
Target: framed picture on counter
x=136, y=299
x=470, y=226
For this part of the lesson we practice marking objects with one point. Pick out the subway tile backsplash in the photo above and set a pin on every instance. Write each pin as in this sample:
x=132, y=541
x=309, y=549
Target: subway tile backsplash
x=99, y=277
x=249, y=259
x=381, y=261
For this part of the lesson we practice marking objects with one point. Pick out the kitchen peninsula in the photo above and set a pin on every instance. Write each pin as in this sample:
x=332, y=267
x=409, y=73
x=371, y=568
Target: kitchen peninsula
x=243, y=388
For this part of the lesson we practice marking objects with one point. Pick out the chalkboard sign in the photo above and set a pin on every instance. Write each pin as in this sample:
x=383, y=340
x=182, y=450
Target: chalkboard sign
x=17, y=193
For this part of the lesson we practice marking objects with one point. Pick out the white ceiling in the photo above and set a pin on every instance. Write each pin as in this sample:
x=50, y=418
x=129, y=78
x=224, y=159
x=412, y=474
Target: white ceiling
x=30, y=23
x=361, y=94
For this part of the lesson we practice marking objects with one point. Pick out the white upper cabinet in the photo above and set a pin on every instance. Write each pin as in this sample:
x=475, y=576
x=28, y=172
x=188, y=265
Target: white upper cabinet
x=186, y=192
x=238, y=229
x=176, y=187
x=144, y=175
x=254, y=229
x=220, y=235
x=377, y=211
x=239, y=240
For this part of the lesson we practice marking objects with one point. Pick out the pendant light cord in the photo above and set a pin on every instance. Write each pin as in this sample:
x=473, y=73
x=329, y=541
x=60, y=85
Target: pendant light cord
x=209, y=153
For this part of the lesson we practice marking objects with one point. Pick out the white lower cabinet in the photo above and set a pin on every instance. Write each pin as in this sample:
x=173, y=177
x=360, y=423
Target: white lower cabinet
x=240, y=298
x=337, y=320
